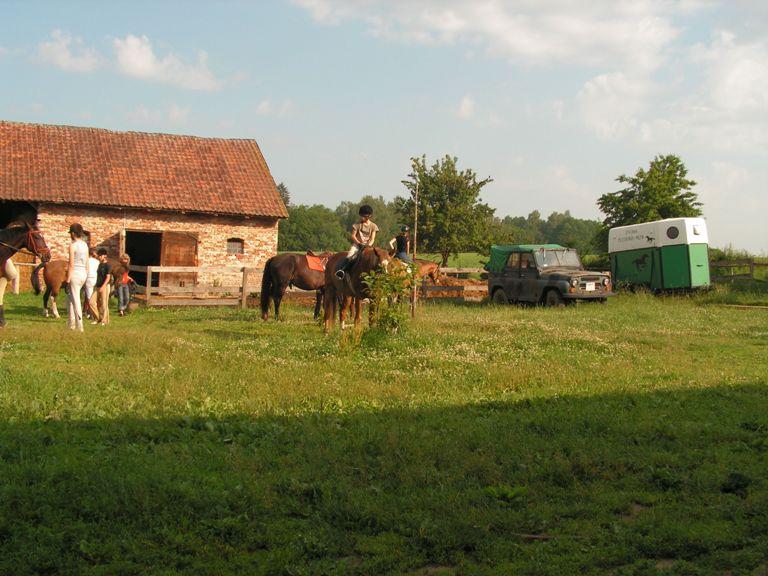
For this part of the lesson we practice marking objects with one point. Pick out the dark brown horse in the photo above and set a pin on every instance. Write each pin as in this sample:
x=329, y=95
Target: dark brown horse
x=286, y=270
x=55, y=278
x=352, y=289
x=18, y=236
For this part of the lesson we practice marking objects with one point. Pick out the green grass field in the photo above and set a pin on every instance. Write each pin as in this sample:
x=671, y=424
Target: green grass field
x=625, y=439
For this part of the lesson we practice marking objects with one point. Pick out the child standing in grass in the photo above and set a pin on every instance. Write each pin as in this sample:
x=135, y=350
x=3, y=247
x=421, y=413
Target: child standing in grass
x=100, y=299
x=123, y=282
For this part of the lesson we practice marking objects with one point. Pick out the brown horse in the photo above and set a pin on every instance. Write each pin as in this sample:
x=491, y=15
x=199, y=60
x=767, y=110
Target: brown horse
x=352, y=289
x=286, y=270
x=55, y=278
x=15, y=237
x=427, y=268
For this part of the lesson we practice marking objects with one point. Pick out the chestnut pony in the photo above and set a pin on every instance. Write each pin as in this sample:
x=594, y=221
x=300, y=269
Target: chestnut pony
x=17, y=236
x=351, y=289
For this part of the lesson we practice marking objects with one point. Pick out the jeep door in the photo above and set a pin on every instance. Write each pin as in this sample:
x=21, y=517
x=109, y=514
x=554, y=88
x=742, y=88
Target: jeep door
x=510, y=276
x=528, y=290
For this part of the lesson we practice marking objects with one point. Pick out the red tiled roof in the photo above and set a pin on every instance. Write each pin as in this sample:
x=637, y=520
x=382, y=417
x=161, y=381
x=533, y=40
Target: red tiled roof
x=70, y=165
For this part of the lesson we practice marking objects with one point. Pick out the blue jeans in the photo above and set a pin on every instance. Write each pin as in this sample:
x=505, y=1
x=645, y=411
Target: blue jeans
x=123, y=296
x=403, y=256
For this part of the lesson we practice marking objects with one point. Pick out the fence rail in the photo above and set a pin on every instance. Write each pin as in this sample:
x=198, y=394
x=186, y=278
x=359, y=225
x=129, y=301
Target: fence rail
x=157, y=292
x=743, y=269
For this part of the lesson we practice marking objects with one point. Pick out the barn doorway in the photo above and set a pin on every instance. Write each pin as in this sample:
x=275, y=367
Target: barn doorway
x=11, y=210
x=145, y=249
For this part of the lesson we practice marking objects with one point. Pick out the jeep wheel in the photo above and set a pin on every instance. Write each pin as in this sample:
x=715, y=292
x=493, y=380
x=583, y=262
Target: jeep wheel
x=500, y=297
x=553, y=298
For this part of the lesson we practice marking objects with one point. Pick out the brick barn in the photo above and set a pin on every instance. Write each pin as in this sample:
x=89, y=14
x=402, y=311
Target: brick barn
x=164, y=199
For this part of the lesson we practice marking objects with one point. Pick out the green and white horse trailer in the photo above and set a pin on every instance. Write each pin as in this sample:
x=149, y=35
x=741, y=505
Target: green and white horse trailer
x=669, y=254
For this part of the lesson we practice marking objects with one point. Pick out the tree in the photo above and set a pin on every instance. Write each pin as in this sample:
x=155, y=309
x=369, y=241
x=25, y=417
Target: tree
x=282, y=189
x=452, y=217
x=311, y=227
x=662, y=191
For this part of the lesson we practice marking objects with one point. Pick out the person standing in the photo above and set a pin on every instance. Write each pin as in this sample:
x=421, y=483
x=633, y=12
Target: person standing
x=77, y=274
x=90, y=284
x=100, y=298
x=363, y=235
x=123, y=282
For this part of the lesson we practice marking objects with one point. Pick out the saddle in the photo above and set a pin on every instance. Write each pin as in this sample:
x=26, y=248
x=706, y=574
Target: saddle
x=315, y=262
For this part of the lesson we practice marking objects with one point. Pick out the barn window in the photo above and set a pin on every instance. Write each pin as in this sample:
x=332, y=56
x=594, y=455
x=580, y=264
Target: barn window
x=235, y=246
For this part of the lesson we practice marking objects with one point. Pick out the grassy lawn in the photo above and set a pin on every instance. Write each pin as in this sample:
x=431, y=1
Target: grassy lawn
x=630, y=438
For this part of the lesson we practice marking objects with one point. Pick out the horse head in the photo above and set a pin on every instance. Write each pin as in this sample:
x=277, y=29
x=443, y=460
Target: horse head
x=36, y=243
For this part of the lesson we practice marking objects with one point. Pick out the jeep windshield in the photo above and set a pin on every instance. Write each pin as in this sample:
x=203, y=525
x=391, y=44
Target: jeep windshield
x=557, y=259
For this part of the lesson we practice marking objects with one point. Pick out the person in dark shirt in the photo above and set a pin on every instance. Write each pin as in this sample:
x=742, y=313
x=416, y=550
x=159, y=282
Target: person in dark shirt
x=102, y=288
x=401, y=244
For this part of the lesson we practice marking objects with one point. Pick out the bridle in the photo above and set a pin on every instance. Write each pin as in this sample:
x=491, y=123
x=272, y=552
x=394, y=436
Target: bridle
x=31, y=244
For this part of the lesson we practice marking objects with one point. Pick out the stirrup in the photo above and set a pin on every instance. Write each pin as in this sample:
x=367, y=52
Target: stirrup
x=340, y=274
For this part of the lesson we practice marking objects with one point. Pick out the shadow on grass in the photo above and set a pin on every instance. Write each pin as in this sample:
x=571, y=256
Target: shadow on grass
x=617, y=484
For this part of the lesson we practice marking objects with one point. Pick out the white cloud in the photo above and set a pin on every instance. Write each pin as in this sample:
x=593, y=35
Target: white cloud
x=173, y=114
x=610, y=104
x=68, y=53
x=728, y=110
x=267, y=108
x=137, y=58
x=633, y=32
x=466, y=107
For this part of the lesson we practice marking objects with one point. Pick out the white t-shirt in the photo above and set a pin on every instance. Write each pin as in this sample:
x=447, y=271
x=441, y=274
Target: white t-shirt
x=93, y=267
x=81, y=255
x=364, y=230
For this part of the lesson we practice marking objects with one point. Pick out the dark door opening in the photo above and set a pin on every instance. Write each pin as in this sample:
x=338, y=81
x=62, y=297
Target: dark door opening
x=145, y=249
x=11, y=211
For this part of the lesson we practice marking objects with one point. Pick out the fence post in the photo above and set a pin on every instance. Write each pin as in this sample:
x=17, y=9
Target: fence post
x=244, y=296
x=751, y=269
x=149, y=285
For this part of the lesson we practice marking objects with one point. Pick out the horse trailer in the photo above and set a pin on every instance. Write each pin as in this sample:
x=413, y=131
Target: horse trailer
x=671, y=254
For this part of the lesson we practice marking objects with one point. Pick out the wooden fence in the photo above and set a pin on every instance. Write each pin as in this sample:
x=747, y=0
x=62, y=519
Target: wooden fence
x=725, y=270
x=211, y=293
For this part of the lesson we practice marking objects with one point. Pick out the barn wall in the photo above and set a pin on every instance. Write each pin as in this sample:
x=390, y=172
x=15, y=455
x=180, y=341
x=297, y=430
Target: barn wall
x=259, y=234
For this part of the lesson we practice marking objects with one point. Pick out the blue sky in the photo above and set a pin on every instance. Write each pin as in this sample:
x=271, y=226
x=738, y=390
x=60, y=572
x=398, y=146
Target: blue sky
x=551, y=99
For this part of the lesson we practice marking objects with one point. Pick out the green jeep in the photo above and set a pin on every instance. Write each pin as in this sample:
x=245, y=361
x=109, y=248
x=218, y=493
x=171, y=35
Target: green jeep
x=547, y=274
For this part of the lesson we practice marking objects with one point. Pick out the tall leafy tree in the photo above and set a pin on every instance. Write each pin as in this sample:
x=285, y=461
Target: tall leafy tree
x=452, y=217
x=311, y=227
x=662, y=191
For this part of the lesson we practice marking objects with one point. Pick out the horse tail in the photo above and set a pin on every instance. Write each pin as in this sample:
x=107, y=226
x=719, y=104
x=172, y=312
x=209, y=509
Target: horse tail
x=35, y=278
x=266, y=288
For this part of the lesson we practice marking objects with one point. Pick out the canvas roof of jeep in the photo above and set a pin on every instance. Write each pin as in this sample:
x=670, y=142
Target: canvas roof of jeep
x=500, y=253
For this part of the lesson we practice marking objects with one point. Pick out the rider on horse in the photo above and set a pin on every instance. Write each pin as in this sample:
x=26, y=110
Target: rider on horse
x=363, y=235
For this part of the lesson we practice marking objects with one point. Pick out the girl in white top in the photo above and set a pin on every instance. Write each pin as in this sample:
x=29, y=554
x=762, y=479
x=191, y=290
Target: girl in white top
x=77, y=274
x=90, y=283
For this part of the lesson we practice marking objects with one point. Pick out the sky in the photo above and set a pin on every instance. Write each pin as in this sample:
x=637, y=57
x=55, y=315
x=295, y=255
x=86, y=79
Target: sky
x=552, y=99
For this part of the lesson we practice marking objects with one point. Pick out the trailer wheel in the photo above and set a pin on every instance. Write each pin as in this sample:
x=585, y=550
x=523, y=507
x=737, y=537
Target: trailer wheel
x=553, y=298
x=500, y=297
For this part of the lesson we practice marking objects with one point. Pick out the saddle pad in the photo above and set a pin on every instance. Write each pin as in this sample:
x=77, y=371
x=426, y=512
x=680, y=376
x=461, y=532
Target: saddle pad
x=316, y=263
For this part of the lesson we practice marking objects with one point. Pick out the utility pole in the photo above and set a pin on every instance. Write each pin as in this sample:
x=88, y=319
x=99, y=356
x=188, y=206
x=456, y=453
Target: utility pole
x=415, y=239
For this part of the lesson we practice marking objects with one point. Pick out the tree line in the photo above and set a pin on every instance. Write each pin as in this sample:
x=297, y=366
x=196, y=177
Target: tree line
x=453, y=218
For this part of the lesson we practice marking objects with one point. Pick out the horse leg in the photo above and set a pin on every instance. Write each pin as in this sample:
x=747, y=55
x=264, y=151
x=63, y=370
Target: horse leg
x=358, y=307
x=53, y=304
x=278, y=297
x=46, y=296
x=329, y=309
x=318, y=302
x=343, y=315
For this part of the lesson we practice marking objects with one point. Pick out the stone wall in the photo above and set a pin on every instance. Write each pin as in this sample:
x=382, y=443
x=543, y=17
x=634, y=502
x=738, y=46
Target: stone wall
x=259, y=235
